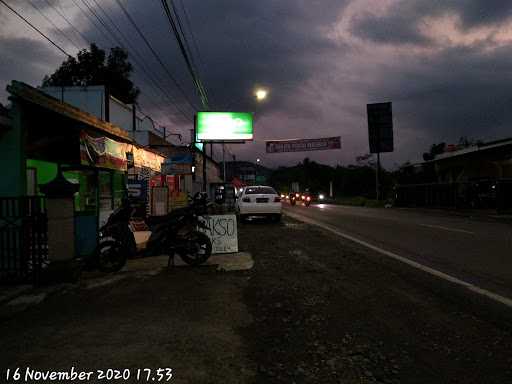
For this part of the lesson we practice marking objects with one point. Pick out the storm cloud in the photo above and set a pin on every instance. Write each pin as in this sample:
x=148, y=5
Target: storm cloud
x=443, y=64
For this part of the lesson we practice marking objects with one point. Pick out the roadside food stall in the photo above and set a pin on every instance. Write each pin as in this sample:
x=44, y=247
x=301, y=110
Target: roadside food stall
x=90, y=152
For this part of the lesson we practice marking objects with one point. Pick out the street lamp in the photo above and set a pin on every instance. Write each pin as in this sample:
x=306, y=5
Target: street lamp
x=261, y=94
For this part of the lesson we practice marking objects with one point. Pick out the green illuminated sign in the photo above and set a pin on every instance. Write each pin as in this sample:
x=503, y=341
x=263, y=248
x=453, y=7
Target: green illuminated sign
x=224, y=126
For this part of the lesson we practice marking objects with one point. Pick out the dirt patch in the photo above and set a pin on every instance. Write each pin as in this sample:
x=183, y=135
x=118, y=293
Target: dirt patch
x=186, y=319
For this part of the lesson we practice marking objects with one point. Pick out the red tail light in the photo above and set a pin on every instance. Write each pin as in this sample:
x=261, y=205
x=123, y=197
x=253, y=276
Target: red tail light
x=277, y=199
x=308, y=198
x=246, y=200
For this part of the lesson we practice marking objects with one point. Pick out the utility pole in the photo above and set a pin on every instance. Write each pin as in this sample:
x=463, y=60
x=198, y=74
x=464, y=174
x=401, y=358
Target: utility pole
x=377, y=171
x=234, y=170
x=204, y=169
x=203, y=153
x=224, y=162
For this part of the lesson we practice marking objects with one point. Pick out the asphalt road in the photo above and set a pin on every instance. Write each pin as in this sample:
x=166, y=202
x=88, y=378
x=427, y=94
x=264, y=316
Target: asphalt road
x=473, y=250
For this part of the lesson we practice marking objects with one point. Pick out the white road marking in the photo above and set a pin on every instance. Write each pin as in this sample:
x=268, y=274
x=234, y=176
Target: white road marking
x=473, y=288
x=447, y=228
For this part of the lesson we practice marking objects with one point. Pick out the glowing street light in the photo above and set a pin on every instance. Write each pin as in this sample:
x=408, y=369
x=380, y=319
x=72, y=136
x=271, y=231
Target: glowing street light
x=261, y=94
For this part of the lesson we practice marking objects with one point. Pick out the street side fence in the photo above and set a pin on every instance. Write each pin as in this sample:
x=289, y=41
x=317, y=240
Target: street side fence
x=23, y=239
x=493, y=195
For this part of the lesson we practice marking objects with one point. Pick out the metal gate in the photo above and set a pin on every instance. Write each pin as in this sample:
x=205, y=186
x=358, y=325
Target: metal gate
x=23, y=239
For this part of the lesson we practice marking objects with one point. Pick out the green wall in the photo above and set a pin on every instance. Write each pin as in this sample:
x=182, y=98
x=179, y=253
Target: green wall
x=45, y=170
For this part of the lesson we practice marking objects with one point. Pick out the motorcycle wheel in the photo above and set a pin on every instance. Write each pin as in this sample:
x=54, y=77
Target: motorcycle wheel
x=111, y=256
x=292, y=202
x=198, y=249
x=306, y=203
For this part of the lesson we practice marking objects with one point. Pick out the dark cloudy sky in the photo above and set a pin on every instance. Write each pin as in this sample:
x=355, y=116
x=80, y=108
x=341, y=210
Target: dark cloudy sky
x=445, y=64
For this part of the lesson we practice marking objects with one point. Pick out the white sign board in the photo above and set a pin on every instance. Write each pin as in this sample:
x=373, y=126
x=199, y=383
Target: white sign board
x=222, y=232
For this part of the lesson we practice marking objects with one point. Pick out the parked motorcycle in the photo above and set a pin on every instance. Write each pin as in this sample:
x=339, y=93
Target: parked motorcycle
x=171, y=234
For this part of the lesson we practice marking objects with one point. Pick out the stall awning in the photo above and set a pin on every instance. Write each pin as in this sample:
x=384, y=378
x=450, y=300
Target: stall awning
x=103, y=152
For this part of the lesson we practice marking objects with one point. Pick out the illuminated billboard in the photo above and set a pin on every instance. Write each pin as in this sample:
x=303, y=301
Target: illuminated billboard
x=224, y=126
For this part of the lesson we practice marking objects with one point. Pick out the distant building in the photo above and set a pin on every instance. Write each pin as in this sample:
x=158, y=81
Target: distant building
x=247, y=172
x=492, y=160
x=476, y=176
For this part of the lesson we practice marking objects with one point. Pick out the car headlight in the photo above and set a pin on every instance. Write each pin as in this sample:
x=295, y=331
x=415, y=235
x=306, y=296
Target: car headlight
x=321, y=197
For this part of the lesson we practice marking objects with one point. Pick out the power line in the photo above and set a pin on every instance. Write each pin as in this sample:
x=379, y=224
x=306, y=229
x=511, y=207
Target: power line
x=135, y=51
x=181, y=44
x=61, y=14
x=187, y=46
x=93, y=23
x=39, y=31
x=93, y=12
x=141, y=65
x=53, y=24
x=155, y=54
x=35, y=28
x=194, y=41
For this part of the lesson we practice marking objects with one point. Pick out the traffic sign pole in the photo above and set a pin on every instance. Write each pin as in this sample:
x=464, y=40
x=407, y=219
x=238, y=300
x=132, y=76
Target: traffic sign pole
x=377, y=182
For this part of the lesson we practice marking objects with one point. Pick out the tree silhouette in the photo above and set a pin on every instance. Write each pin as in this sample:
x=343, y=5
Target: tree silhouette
x=93, y=67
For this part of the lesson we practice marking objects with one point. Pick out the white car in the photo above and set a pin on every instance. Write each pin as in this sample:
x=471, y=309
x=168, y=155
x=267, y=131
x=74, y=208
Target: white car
x=258, y=200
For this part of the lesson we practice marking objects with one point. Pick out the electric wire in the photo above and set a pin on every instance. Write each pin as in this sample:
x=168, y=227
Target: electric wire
x=93, y=23
x=61, y=14
x=137, y=54
x=53, y=24
x=155, y=54
x=185, y=55
x=187, y=47
x=117, y=41
x=194, y=42
x=35, y=28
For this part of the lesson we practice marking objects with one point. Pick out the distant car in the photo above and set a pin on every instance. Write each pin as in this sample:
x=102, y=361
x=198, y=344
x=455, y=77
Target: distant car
x=258, y=200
